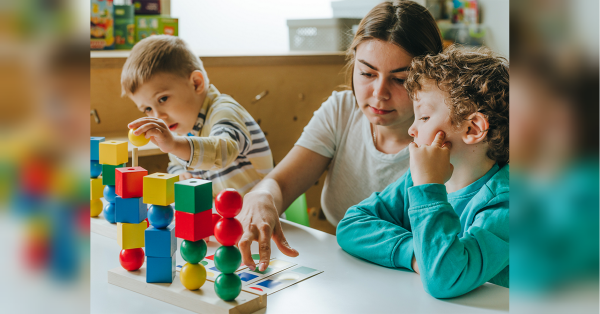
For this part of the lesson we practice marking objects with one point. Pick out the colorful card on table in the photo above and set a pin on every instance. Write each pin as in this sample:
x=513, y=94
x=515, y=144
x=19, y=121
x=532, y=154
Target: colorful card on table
x=275, y=265
x=281, y=280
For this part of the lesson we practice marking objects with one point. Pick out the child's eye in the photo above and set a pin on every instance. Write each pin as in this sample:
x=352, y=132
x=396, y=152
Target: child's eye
x=366, y=74
x=162, y=99
x=424, y=118
x=147, y=110
x=399, y=81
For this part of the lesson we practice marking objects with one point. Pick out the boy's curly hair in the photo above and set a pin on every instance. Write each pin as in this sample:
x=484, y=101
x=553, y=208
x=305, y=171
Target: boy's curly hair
x=476, y=81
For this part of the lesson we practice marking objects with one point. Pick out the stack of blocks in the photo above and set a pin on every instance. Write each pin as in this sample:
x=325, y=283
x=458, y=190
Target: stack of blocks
x=130, y=215
x=160, y=236
x=228, y=232
x=193, y=221
x=96, y=185
x=111, y=155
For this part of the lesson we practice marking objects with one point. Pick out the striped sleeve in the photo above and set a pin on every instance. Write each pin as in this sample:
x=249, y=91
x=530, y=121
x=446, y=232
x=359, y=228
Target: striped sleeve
x=175, y=165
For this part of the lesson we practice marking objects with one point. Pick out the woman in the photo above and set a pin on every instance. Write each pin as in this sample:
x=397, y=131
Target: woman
x=360, y=136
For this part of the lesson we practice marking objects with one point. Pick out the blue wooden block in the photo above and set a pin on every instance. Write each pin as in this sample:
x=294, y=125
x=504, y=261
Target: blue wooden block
x=95, y=147
x=130, y=210
x=160, y=242
x=160, y=269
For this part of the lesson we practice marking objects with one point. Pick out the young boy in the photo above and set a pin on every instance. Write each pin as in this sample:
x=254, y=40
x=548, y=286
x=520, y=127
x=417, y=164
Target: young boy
x=205, y=132
x=447, y=217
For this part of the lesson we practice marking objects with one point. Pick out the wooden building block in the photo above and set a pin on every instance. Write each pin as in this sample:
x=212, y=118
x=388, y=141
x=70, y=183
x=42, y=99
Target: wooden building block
x=204, y=300
x=160, y=269
x=95, y=147
x=108, y=173
x=113, y=153
x=193, y=196
x=193, y=227
x=131, y=236
x=96, y=188
x=129, y=181
x=161, y=242
x=159, y=188
x=130, y=210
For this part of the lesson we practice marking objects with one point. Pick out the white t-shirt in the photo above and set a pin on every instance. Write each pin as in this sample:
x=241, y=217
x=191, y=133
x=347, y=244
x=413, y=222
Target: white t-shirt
x=340, y=131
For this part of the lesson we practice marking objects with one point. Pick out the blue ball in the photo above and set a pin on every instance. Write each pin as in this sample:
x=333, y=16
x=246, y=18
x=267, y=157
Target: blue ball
x=160, y=216
x=109, y=213
x=95, y=169
x=110, y=194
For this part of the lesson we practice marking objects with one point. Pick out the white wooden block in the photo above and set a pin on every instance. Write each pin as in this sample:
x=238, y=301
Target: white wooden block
x=204, y=300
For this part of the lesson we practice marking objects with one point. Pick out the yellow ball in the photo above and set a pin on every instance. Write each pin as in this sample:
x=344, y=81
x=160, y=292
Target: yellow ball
x=95, y=207
x=138, y=140
x=192, y=276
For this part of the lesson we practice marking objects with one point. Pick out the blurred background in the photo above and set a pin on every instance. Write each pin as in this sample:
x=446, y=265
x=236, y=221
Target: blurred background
x=266, y=53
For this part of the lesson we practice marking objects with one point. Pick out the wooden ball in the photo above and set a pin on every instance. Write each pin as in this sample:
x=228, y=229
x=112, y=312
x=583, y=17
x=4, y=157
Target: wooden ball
x=193, y=276
x=228, y=286
x=228, y=203
x=138, y=140
x=228, y=259
x=132, y=259
x=228, y=231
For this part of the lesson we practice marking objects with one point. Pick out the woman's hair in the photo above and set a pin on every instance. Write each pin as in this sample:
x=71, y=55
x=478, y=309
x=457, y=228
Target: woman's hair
x=476, y=81
x=404, y=23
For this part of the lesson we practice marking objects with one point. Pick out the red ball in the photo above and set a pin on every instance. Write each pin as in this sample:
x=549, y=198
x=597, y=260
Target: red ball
x=132, y=259
x=228, y=203
x=228, y=231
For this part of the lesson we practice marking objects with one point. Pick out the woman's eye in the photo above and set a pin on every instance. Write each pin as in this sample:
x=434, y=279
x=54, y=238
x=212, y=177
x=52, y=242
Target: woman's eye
x=147, y=110
x=366, y=74
x=163, y=99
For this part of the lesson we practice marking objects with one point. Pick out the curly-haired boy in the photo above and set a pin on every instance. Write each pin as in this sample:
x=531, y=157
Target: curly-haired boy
x=446, y=218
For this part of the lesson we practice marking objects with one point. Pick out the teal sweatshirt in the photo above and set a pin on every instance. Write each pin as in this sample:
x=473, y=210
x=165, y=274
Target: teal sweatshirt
x=460, y=240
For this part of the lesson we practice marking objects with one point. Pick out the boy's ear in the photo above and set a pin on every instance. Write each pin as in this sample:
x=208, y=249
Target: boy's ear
x=475, y=129
x=198, y=80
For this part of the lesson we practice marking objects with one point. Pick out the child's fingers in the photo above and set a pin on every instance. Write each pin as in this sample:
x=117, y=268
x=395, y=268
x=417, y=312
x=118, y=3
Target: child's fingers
x=156, y=133
x=139, y=122
x=244, y=246
x=264, y=248
x=146, y=127
x=439, y=139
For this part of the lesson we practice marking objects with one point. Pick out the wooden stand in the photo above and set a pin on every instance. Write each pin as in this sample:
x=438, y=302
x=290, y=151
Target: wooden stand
x=134, y=157
x=204, y=300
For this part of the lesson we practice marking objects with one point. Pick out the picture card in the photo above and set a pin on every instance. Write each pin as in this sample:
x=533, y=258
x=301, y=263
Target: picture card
x=282, y=279
x=275, y=265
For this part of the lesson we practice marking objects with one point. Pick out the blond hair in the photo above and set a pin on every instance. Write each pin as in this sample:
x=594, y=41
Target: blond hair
x=159, y=54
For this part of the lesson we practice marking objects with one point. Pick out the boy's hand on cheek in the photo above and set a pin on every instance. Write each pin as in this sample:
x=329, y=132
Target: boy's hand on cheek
x=431, y=163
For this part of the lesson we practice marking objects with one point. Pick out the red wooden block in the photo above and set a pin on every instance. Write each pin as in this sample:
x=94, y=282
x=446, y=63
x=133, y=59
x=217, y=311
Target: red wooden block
x=193, y=227
x=129, y=181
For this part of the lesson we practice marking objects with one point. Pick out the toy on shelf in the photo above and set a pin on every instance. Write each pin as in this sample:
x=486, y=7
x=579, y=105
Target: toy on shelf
x=193, y=223
x=228, y=232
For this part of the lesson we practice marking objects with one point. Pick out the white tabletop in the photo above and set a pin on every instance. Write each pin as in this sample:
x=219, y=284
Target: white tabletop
x=347, y=285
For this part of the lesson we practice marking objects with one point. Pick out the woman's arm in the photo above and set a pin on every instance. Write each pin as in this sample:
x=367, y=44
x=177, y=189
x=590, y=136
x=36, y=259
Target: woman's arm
x=295, y=174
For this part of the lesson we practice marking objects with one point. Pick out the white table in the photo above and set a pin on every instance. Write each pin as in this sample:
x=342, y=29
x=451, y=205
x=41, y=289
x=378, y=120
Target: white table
x=347, y=285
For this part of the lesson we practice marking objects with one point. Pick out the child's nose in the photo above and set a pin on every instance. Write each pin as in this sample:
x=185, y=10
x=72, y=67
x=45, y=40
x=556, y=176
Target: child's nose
x=412, y=131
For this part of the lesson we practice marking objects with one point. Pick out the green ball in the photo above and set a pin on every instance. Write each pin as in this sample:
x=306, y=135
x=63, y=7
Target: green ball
x=193, y=252
x=228, y=259
x=228, y=286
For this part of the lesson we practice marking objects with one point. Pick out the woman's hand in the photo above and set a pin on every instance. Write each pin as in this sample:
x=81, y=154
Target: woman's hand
x=260, y=220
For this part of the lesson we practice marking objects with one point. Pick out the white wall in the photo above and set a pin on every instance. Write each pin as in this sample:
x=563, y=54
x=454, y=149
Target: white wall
x=232, y=26
x=495, y=15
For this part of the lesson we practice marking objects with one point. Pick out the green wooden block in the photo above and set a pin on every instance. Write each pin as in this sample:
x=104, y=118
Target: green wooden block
x=108, y=173
x=193, y=196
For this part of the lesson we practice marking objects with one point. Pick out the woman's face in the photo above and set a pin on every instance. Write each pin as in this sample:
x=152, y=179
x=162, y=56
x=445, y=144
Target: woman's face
x=380, y=69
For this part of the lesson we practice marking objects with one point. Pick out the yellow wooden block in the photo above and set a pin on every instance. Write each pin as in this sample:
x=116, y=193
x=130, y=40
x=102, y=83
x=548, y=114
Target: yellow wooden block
x=96, y=188
x=131, y=236
x=159, y=188
x=113, y=153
